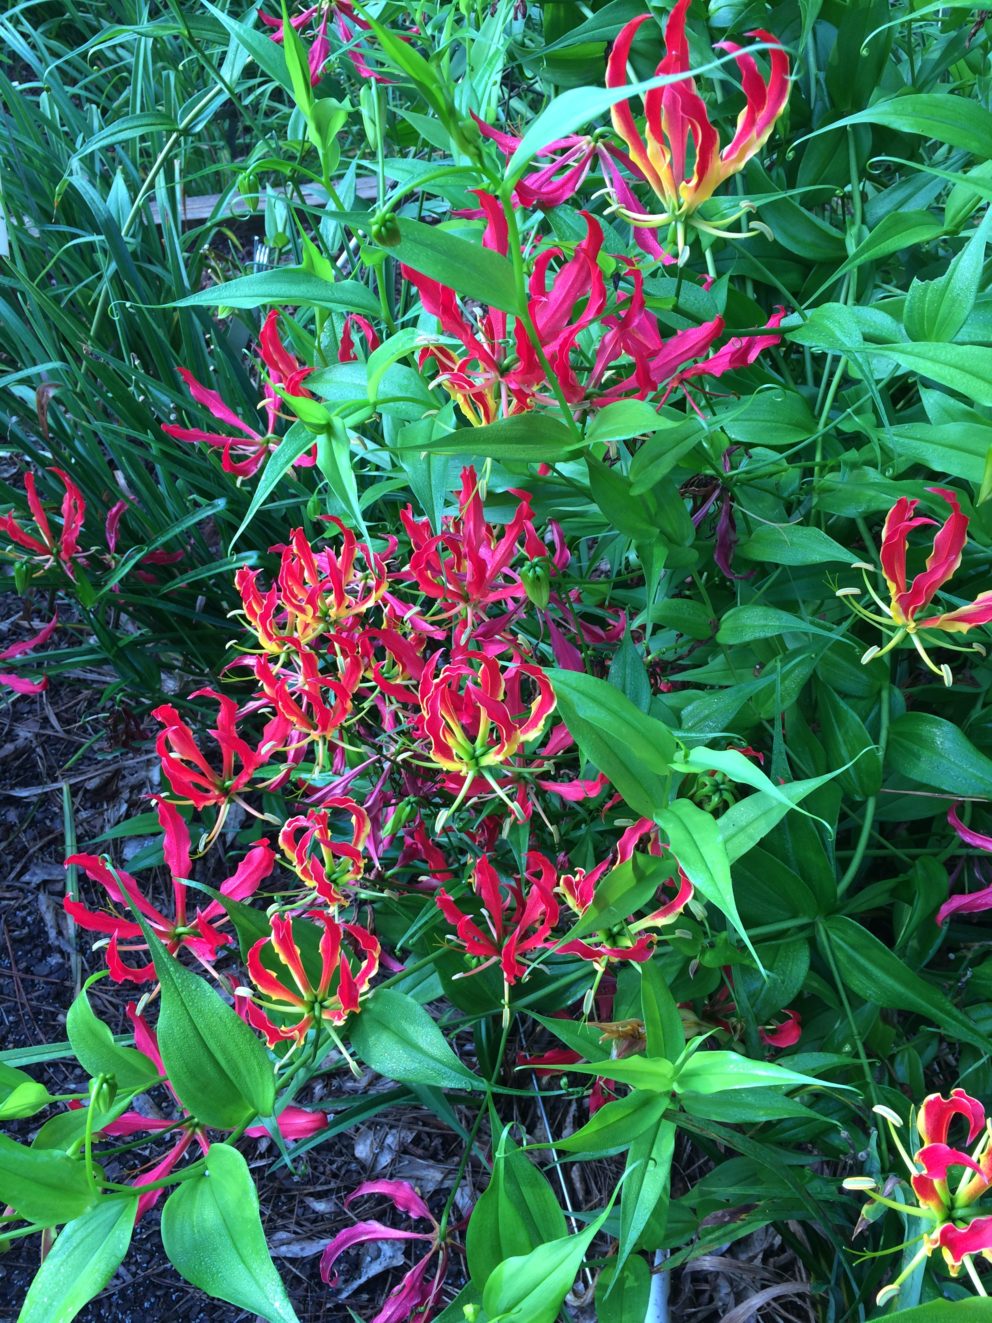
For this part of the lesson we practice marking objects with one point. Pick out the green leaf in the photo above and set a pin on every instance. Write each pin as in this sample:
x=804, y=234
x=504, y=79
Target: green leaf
x=660, y=453
x=623, y=1296
x=964, y=368
x=738, y=767
x=212, y=1233
x=748, y=821
x=874, y=973
x=515, y=1213
x=936, y=753
x=217, y=1067
x=531, y=1288
x=937, y=309
x=939, y=1311
x=631, y=749
x=848, y=745
x=21, y=1095
x=646, y=1183
x=399, y=1040
x=700, y=849
x=664, y=1032
x=290, y=285
x=537, y=437
x=464, y=266
x=85, y=1256
x=653, y=1074
x=957, y=121
x=95, y=1050
x=297, y=441
x=266, y=53
x=956, y=450
x=893, y=234
x=615, y=1124
x=715, y=1072
x=793, y=544
x=41, y=1185
x=772, y=417
x=621, y=893
x=747, y=624
x=622, y=420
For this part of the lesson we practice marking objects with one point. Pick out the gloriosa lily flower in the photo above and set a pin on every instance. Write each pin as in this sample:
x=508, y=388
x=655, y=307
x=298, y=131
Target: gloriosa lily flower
x=684, y=176
x=348, y=24
x=416, y=1296
x=46, y=547
x=907, y=599
x=635, y=939
x=509, y=925
x=20, y=683
x=328, y=1001
x=489, y=381
x=473, y=714
x=315, y=589
x=283, y=370
x=467, y=567
x=317, y=858
x=198, y=933
x=190, y=775
x=947, y=1205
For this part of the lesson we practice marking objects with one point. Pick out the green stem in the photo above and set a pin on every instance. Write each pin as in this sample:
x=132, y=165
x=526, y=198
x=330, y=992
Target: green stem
x=467, y=1153
x=523, y=312
x=852, y=1025
x=870, y=804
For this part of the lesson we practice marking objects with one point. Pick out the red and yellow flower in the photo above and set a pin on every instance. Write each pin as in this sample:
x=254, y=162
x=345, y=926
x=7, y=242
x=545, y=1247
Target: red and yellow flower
x=947, y=1204
x=901, y=614
x=321, y=861
x=678, y=151
x=328, y=997
x=473, y=715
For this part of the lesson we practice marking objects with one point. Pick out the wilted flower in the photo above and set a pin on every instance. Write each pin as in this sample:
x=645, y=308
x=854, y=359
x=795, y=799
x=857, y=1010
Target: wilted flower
x=416, y=1295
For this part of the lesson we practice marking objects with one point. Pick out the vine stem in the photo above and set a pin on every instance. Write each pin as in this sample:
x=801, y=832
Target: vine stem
x=828, y=950
x=871, y=803
x=463, y=1162
x=523, y=311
